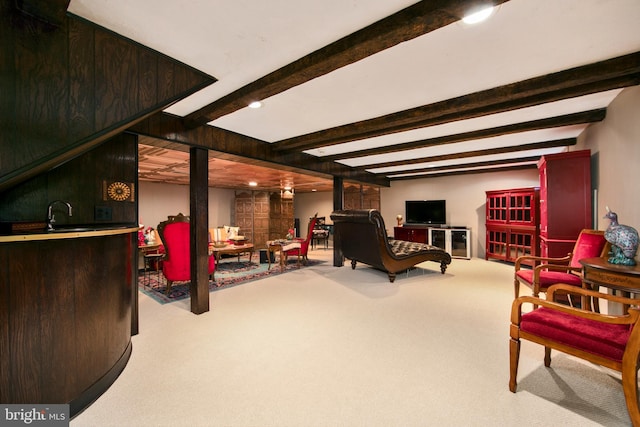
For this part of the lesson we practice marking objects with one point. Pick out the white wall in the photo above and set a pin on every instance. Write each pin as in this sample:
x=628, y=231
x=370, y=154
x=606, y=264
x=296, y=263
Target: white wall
x=157, y=201
x=465, y=196
x=615, y=159
x=305, y=205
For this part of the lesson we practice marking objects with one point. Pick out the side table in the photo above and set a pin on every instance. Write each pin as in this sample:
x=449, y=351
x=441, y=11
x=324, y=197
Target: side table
x=598, y=272
x=281, y=247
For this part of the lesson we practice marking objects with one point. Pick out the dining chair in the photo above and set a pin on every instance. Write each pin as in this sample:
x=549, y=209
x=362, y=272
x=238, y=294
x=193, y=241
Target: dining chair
x=304, y=243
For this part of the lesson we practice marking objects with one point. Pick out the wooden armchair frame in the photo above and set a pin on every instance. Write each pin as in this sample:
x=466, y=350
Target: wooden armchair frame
x=539, y=280
x=627, y=365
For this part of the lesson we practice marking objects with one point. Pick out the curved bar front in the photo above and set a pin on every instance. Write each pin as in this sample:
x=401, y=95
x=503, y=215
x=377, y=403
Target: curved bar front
x=66, y=307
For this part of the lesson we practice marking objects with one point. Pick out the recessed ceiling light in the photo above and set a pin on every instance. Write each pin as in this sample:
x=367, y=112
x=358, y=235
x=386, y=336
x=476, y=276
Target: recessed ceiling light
x=253, y=184
x=478, y=16
x=255, y=104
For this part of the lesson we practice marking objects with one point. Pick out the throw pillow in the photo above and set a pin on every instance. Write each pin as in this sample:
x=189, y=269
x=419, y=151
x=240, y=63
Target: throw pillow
x=232, y=231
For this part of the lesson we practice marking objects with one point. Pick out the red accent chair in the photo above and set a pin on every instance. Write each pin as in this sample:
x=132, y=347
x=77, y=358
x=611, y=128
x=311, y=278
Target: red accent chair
x=606, y=340
x=304, y=244
x=176, y=264
x=549, y=271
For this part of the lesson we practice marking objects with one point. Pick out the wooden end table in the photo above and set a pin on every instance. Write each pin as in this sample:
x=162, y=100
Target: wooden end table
x=599, y=272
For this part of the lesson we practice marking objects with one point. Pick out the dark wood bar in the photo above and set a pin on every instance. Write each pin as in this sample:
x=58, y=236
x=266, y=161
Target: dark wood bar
x=66, y=314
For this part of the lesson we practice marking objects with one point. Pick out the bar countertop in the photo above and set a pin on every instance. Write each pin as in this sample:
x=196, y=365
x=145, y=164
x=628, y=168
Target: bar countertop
x=71, y=233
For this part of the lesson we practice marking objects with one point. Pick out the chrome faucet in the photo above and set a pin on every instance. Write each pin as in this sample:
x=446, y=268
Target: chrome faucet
x=51, y=218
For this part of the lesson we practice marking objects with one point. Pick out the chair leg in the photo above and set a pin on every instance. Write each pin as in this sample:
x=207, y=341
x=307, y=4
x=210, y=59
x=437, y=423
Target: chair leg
x=630, y=388
x=514, y=358
x=169, y=283
x=547, y=356
x=630, y=381
x=516, y=287
x=443, y=267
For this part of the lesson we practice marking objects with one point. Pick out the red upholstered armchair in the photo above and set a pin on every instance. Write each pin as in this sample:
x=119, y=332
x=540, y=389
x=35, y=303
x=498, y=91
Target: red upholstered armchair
x=304, y=244
x=549, y=271
x=176, y=264
x=606, y=340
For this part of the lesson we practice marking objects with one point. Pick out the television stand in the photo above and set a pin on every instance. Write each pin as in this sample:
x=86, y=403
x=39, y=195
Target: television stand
x=454, y=240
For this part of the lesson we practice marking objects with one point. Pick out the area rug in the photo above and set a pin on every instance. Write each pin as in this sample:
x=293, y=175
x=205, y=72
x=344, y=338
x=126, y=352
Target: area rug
x=230, y=272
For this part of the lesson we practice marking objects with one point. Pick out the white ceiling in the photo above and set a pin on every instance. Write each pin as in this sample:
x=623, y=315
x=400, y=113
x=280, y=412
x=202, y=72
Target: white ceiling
x=239, y=41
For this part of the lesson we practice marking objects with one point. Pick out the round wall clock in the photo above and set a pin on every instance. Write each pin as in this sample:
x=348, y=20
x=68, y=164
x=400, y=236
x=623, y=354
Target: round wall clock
x=119, y=191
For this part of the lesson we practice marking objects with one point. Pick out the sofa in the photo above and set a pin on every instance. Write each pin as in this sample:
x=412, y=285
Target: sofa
x=361, y=236
x=223, y=234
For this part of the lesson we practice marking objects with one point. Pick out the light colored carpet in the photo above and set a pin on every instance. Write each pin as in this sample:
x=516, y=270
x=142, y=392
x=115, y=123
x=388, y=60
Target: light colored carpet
x=327, y=346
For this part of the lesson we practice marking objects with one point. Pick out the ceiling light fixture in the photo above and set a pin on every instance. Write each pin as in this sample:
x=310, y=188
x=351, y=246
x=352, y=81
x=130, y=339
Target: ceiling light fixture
x=478, y=15
x=253, y=184
x=255, y=104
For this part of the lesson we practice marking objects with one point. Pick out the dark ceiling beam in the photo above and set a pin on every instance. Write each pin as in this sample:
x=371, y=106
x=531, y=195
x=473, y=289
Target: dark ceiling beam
x=491, y=165
x=591, y=116
x=411, y=22
x=486, y=152
x=233, y=146
x=614, y=73
x=468, y=172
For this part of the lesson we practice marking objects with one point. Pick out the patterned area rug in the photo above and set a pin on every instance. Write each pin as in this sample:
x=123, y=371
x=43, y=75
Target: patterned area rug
x=229, y=272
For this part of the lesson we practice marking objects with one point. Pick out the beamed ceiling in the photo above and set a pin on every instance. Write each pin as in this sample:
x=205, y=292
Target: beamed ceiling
x=374, y=91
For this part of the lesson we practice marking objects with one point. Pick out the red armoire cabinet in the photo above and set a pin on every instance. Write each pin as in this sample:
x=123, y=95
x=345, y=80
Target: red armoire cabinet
x=565, y=200
x=512, y=223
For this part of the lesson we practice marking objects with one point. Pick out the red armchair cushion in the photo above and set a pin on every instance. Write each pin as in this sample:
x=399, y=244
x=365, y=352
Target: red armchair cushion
x=548, y=278
x=589, y=246
x=594, y=337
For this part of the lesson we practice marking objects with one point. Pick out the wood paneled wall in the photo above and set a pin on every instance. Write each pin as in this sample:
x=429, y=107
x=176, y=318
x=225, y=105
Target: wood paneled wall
x=79, y=182
x=280, y=217
x=263, y=216
x=66, y=89
x=361, y=197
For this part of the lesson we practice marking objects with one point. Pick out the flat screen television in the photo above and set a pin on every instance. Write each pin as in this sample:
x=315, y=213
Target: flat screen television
x=432, y=212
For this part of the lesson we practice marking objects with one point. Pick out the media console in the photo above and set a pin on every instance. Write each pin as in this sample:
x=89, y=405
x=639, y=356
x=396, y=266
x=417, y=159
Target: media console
x=454, y=240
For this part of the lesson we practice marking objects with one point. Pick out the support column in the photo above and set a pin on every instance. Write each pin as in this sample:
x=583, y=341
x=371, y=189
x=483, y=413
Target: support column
x=338, y=204
x=199, y=213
